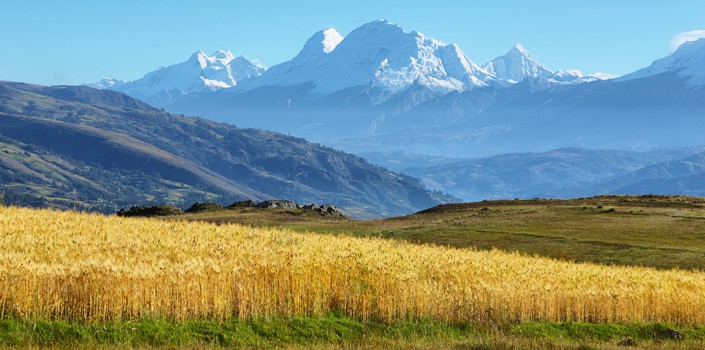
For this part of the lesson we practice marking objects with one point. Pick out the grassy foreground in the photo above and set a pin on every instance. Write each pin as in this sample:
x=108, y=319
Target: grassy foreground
x=339, y=332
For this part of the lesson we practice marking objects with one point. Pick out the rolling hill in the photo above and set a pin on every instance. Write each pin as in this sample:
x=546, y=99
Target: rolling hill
x=91, y=149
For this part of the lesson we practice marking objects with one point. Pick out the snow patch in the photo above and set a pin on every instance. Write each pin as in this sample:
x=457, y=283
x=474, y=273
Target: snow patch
x=331, y=39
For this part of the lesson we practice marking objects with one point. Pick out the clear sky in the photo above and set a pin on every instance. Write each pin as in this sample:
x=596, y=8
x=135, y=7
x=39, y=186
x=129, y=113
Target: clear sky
x=79, y=41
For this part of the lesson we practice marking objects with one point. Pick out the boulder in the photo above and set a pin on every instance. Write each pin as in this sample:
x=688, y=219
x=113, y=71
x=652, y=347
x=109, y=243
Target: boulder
x=330, y=210
x=277, y=203
x=311, y=206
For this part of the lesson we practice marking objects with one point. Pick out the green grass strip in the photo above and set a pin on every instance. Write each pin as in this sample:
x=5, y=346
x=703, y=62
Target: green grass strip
x=333, y=329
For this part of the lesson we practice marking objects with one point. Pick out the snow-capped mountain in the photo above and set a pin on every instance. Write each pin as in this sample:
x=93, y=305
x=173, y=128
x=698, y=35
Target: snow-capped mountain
x=107, y=84
x=201, y=73
x=377, y=79
x=518, y=64
x=291, y=72
x=382, y=87
x=688, y=62
x=383, y=60
x=380, y=58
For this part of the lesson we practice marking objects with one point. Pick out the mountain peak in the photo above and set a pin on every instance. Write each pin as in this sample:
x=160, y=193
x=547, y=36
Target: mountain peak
x=380, y=26
x=220, y=57
x=516, y=65
x=198, y=53
x=380, y=22
x=321, y=43
x=244, y=60
x=224, y=55
x=520, y=49
x=199, y=58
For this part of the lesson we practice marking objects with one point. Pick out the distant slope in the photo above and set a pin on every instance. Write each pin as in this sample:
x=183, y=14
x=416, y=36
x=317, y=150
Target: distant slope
x=656, y=111
x=116, y=138
x=562, y=173
x=683, y=176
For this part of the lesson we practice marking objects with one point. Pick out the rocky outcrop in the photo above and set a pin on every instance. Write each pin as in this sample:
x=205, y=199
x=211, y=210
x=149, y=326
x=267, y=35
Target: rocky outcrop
x=325, y=210
x=199, y=207
x=277, y=203
x=157, y=210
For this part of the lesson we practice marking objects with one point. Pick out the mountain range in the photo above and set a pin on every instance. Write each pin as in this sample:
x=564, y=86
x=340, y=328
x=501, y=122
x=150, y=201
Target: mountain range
x=508, y=128
x=368, y=83
x=199, y=74
x=382, y=89
x=87, y=149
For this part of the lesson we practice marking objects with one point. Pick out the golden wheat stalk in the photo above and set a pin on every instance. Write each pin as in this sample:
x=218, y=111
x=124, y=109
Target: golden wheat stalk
x=71, y=266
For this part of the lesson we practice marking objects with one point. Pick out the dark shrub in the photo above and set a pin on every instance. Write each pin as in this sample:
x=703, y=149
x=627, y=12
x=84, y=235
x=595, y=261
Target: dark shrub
x=158, y=210
x=199, y=207
x=243, y=204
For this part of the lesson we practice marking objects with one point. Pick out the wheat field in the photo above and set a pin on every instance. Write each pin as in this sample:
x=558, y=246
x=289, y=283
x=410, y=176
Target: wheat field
x=94, y=268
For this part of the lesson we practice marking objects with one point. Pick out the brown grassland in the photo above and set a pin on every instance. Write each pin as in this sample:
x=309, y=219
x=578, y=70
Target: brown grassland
x=654, y=231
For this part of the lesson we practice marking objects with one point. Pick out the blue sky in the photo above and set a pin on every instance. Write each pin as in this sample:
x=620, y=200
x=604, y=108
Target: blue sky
x=73, y=42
